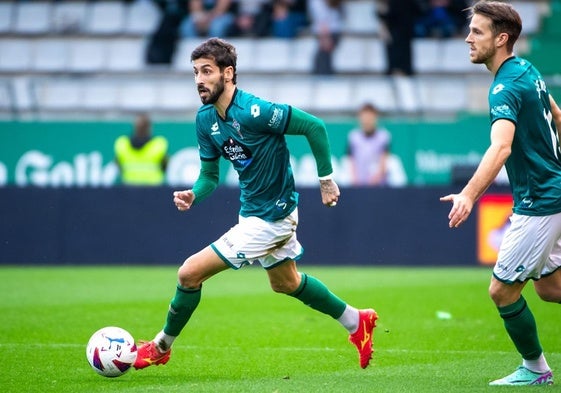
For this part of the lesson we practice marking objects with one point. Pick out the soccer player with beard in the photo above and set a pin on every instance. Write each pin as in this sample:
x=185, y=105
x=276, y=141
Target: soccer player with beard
x=250, y=133
x=525, y=122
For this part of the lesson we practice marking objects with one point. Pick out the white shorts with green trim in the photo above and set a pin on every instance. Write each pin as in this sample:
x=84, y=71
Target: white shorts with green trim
x=256, y=240
x=531, y=248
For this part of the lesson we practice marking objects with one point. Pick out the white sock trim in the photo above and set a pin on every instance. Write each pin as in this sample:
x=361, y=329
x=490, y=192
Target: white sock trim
x=349, y=319
x=538, y=365
x=163, y=341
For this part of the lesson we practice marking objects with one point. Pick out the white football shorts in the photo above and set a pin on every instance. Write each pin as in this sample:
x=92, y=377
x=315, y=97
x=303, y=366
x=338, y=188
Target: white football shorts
x=255, y=240
x=531, y=248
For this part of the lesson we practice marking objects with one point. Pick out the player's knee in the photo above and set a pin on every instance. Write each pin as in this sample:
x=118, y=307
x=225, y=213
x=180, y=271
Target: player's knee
x=498, y=295
x=493, y=295
x=187, y=277
x=283, y=286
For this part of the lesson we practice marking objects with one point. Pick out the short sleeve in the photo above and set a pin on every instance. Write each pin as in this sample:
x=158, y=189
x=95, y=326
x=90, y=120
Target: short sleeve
x=504, y=103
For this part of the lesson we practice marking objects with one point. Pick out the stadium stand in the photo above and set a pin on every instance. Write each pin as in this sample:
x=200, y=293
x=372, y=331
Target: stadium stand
x=6, y=101
x=69, y=17
x=6, y=16
x=32, y=18
x=87, y=58
x=106, y=18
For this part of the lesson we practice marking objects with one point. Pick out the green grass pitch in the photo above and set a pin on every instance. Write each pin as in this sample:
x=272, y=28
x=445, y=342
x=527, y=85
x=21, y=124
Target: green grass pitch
x=245, y=338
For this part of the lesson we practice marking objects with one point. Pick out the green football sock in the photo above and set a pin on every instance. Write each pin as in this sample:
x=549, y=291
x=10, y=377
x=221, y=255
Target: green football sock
x=521, y=327
x=181, y=308
x=315, y=294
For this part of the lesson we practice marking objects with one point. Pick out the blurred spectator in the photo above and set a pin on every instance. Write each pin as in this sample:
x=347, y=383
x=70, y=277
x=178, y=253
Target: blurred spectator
x=442, y=18
x=398, y=20
x=253, y=19
x=271, y=18
x=162, y=43
x=289, y=17
x=368, y=149
x=142, y=158
x=209, y=18
x=327, y=22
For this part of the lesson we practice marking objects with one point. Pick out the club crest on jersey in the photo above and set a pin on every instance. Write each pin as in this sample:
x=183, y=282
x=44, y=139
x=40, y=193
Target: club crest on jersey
x=237, y=127
x=238, y=153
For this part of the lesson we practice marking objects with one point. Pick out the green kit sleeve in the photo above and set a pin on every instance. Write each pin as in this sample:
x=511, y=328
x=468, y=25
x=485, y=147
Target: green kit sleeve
x=303, y=123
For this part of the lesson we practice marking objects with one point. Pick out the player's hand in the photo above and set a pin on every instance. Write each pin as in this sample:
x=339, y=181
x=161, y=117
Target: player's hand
x=183, y=199
x=329, y=192
x=461, y=209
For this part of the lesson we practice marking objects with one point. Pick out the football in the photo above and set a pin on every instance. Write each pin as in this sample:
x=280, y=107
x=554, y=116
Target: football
x=111, y=351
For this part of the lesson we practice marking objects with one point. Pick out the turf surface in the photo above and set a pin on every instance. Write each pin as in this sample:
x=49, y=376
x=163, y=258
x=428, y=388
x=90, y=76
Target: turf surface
x=245, y=338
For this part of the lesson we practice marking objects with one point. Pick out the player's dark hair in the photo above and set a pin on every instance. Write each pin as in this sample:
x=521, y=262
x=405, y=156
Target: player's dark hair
x=223, y=53
x=368, y=107
x=504, y=19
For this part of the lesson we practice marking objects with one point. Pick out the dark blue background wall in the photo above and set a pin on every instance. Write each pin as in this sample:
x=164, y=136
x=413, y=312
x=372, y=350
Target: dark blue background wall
x=142, y=226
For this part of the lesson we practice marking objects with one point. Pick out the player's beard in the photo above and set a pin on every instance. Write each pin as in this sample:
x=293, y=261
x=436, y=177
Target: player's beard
x=214, y=94
x=482, y=56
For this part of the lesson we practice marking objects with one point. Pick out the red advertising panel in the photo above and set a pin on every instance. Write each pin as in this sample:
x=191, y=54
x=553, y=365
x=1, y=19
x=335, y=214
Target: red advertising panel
x=493, y=219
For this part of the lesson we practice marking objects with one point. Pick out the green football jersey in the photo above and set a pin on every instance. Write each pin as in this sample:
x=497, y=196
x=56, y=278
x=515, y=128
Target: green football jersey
x=252, y=138
x=519, y=94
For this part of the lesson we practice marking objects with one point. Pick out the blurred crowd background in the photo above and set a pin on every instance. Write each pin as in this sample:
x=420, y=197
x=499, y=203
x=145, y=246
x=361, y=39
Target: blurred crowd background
x=91, y=91
x=109, y=59
x=392, y=79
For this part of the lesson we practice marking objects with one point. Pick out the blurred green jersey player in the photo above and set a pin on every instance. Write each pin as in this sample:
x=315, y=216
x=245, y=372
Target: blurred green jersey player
x=525, y=121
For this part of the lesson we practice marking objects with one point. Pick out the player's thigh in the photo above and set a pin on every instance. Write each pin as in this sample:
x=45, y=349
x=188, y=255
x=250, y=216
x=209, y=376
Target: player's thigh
x=200, y=267
x=284, y=277
x=548, y=287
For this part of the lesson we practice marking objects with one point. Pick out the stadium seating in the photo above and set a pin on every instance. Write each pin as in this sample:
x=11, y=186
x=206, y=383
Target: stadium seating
x=136, y=96
x=125, y=55
x=50, y=55
x=359, y=17
x=379, y=91
x=142, y=18
x=106, y=17
x=32, y=18
x=6, y=17
x=302, y=54
x=6, y=100
x=15, y=55
x=69, y=16
x=89, y=56
x=62, y=96
x=271, y=55
x=99, y=95
x=177, y=96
